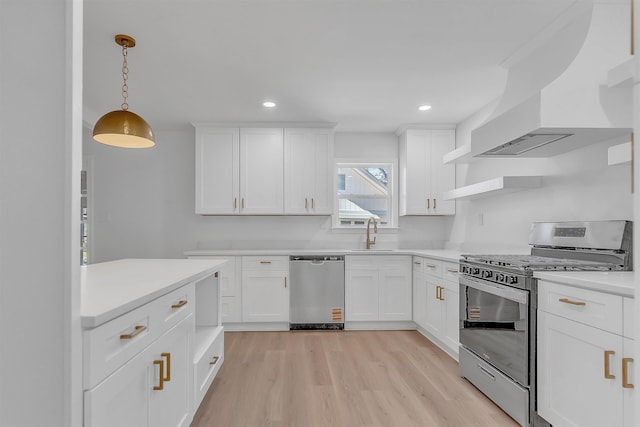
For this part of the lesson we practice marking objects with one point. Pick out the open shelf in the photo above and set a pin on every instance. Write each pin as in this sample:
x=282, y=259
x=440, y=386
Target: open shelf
x=459, y=155
x=499, y=185
x=205, y=335
x=620, y=154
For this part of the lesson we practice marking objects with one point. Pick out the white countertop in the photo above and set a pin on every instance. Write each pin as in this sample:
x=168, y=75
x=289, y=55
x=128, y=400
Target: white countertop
x=113, y=288
x=615, y=282
x=442, y=254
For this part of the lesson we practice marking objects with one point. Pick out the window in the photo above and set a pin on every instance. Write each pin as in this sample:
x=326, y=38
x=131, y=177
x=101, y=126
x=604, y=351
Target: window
x=364, y=190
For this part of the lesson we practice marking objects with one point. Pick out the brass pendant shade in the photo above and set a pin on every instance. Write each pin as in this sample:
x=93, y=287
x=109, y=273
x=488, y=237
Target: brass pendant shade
x=122, y=128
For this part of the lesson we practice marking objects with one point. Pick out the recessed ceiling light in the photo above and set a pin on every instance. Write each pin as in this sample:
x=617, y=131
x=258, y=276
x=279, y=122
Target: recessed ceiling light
x=269, y=104
x=424, y=107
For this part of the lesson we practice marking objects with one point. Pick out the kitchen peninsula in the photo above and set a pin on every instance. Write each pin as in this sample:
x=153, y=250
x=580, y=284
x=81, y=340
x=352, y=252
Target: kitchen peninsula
x=153, y=339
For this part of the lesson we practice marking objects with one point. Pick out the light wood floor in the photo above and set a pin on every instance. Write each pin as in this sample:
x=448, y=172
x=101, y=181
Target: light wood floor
x=341, y=378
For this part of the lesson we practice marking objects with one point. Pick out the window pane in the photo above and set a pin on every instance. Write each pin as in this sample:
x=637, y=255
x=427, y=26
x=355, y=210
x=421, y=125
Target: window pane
x=363, y=193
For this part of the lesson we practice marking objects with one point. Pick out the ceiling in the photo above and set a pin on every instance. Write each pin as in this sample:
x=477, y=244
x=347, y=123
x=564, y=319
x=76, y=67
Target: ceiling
x=365, y=65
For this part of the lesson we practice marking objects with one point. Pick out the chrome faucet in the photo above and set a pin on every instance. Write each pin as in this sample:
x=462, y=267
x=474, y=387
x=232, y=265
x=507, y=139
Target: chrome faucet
x=375, y=230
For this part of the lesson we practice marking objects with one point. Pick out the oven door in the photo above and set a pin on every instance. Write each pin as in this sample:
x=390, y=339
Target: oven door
x=494, y=324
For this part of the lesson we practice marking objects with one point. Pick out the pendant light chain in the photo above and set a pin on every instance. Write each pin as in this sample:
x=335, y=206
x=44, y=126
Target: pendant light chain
x=125, y=76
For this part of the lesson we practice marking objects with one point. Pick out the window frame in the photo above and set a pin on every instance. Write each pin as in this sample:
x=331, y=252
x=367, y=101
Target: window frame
x=392, y=188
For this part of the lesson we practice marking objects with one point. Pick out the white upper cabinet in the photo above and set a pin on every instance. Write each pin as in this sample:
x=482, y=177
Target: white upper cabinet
x=261, y=171
x=307, y=178
x=423, y=175
x=239, y=171
x=217, y=170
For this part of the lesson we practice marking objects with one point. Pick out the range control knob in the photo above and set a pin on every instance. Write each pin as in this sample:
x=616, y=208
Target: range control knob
x=475, y=271
x=486, y=274
x=500, y=277
x=513, y=279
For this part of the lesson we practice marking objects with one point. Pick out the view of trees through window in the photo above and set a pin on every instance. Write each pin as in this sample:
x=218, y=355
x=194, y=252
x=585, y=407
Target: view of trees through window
x=363, y=192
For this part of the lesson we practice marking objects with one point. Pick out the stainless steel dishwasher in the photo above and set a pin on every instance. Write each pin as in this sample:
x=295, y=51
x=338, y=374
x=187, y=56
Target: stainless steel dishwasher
x=317, y=292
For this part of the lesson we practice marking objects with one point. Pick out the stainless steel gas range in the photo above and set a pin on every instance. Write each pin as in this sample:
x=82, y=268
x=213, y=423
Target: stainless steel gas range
x=498, y=301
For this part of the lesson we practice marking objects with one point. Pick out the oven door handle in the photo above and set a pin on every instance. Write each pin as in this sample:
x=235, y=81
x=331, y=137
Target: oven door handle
x=506, y=292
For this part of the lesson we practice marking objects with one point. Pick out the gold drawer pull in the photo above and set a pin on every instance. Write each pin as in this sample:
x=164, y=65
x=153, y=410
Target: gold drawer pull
x=452, y=271
x=168, y=357
x=161, y=364
x=431, y=265
x=417, y=263
x=180, y=304
x=568, y=301
x=607, y=357
x=139, y=328
x=625, y=372
x=215, y=360
x=265, y=262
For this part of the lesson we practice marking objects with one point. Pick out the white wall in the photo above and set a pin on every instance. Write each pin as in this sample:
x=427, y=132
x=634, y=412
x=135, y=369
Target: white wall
x=39, y=277
x=143, y=205
x=576, y=186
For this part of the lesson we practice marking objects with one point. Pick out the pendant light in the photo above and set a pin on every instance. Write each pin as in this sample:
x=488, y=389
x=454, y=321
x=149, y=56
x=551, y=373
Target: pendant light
x=122, y=128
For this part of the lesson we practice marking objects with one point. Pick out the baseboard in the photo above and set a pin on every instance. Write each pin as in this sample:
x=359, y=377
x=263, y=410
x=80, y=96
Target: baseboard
x=381, y=326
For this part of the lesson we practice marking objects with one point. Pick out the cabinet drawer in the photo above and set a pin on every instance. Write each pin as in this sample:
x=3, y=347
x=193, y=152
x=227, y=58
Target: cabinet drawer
x=207, y=364
x=109, y=346
x=593, y=308
x=265, y=263
x=628, y=328
x=377, y=262
x=433, y=267
x=418, y=265
x=450, y=271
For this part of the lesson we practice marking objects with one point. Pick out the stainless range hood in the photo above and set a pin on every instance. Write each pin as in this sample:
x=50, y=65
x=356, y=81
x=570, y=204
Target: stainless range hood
x=556, y=98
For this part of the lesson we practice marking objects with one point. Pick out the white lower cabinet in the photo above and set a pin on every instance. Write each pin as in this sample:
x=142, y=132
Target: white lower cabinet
x=436, y=301
x=584, y=362
x=378, y=288
x=265, y=289
x=152, y=389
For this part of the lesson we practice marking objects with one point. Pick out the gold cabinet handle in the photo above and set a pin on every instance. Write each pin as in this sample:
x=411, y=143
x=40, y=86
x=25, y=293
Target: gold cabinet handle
x=167, y=365
x=243, y=203
x=235, y=203
x=568, y=301
x=215, y=360
x=179, y=304
x=452, y=271
x=285, y=282
x=625, y=372
x=313, y=203
x=431, y=265
x=416, y=263
x=434, y=203
x=216, y=274
x=305, y=203
x=438, y=292
x=160, y=386
x=265, y=262
x=138, y=329
x=607, y=358
x=428, y=203
x=441, y=293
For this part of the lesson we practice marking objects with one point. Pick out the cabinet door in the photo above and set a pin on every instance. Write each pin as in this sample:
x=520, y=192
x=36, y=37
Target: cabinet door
x=629, y=393
x=414, y=173
x=572, y=388
x=443, y=176
x=217, y=170
x=307, y=180
x=123, y=398
x=451, y=328
x=265, y=296
x=435, y=309
x=419, y=300
x=171, y=406
x=395, y=294
x=261, y=171
x=361, y=294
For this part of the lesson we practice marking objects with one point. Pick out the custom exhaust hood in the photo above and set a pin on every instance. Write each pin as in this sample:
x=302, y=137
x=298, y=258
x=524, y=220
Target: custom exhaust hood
x=556, y=98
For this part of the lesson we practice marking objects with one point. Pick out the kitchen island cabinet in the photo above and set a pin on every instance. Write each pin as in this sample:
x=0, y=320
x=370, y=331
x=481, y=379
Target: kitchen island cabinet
x=585, y=343
x=148, y=327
